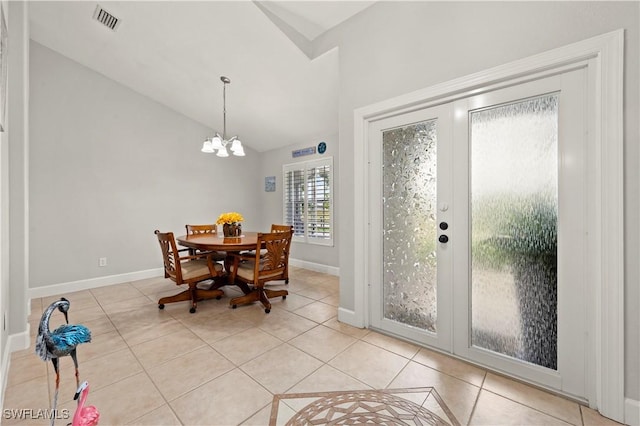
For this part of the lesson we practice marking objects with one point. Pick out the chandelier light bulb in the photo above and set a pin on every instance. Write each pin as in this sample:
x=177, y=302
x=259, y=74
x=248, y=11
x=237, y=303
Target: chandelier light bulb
x=216, y=142
x=222, y=152
x=236, y=145
x=239, y=152
x=207, y=148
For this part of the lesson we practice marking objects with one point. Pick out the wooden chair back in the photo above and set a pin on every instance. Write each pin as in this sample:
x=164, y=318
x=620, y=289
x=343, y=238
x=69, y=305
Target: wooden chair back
x=202, y=229
x=284, y=228
x=272, y=263
x=281, y=228
x=205, y=229
x=189, y=270
x=170, y=255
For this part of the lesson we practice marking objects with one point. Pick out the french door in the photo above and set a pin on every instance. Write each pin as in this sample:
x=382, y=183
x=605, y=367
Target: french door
x=478, y=228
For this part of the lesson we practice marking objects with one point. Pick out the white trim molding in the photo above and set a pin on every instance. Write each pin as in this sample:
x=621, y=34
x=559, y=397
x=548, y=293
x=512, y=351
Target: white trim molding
x=54, y=289
x=68, y=287
x=15, y=342
x=348, y=316
x=318, y=267
x=631, y=412
x=603, y=57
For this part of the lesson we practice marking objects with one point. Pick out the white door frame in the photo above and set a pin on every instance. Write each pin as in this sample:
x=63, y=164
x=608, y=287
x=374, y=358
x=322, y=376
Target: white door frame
x=605, y=304
x=442, y=338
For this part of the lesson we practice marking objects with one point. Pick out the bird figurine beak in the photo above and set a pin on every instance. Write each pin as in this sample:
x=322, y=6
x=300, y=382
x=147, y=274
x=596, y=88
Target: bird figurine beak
x=66, y=317
x=82, y=387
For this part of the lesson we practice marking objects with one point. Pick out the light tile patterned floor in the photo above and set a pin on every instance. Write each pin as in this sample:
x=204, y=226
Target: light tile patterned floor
x=223, y=366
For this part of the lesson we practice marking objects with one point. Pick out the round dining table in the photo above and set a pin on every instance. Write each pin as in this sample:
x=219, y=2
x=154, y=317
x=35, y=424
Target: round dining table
x=230, y=245
x=206, y=242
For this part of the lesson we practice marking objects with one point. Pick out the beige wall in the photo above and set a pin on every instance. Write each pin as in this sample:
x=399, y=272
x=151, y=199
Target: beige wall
x=109, y=166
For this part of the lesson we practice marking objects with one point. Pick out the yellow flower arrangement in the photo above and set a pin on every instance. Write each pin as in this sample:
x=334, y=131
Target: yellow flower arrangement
x=230, y=217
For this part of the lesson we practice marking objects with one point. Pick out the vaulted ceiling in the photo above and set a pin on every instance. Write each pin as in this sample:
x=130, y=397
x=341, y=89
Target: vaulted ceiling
x=174, y=52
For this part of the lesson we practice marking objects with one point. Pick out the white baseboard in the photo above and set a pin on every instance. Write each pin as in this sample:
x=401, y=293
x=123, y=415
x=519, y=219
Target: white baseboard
x=90, y=283
x=318, y=267
x=15, y=342
x=631, y=412
x=4, y=370
x=349, y=317
x=72, y=286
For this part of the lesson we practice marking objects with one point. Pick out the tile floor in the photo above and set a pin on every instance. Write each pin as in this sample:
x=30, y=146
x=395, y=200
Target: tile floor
x=222, y=366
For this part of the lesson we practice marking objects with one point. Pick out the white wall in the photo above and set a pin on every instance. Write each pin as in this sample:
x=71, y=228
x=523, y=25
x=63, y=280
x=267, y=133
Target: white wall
x=108, y=166
x=14, y=187
x=272, y=202
x=394, y=48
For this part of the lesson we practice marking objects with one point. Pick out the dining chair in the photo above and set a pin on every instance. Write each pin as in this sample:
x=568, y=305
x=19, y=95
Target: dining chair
x=205, y=229
x=276, y=228
x=257, y=269
x=283, y=228
x=189, y=270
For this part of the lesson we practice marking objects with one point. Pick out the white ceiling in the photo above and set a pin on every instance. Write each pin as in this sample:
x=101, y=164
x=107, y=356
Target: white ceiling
x=175, y=52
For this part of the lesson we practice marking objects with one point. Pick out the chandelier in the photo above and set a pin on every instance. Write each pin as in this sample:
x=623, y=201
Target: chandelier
x=219, y=143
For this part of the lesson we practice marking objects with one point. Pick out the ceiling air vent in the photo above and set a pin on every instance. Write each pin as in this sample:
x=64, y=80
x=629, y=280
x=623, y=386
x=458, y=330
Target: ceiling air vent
x=105, y=18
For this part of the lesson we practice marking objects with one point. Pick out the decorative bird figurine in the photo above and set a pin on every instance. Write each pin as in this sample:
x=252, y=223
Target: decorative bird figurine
x=61, y=342
x=84, y=416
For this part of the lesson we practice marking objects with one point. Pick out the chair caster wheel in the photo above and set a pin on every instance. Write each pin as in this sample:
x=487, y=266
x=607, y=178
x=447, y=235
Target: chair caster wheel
x=266, y=311
x=234, y=306
x=192, y=310
x=286, y=281
x=284, y=297
x=161, y=306
x=218, y=297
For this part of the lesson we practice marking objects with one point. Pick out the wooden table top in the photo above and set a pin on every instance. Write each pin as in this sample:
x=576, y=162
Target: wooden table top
x=246, y=241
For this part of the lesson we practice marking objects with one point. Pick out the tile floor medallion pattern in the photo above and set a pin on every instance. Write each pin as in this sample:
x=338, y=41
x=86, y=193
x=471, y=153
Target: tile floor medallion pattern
x=380, y=406
x=223, y=366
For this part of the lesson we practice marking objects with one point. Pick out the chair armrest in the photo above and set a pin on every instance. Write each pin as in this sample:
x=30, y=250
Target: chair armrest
x=195, y=256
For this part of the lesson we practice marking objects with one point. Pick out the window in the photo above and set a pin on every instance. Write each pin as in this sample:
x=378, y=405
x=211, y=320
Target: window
x=308, y=200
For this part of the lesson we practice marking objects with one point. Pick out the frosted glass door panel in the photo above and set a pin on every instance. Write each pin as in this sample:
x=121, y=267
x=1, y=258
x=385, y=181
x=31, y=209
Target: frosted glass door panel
x=409, y=225
x=514, y=210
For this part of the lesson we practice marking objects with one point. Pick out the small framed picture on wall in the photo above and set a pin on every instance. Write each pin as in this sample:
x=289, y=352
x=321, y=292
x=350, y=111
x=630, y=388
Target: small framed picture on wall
x=270, y=184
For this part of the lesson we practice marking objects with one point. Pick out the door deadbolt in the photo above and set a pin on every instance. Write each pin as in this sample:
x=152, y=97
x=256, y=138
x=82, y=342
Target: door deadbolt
x=443, y=238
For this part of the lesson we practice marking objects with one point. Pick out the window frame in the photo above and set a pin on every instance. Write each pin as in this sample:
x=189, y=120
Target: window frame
x=306, y=167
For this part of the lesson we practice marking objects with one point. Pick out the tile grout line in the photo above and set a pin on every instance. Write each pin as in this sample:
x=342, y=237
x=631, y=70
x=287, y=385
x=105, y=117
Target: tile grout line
x=144, y=369
x=475, y=403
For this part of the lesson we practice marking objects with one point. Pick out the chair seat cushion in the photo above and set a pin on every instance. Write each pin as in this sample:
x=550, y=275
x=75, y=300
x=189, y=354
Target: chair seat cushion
x=245, y=270
x=197, y=268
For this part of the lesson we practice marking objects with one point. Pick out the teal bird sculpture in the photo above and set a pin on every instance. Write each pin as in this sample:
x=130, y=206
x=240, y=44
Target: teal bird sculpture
x=52, y=345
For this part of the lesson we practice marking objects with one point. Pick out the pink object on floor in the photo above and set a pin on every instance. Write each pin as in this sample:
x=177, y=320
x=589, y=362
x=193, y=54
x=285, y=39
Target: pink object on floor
x=85, y=416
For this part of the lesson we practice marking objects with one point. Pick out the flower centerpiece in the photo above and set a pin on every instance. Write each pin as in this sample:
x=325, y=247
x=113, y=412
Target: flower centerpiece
x=230, y=224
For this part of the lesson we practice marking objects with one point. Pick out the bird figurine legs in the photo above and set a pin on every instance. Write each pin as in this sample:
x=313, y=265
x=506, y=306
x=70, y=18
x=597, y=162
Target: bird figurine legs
x=75, y=363
x=54, y=361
